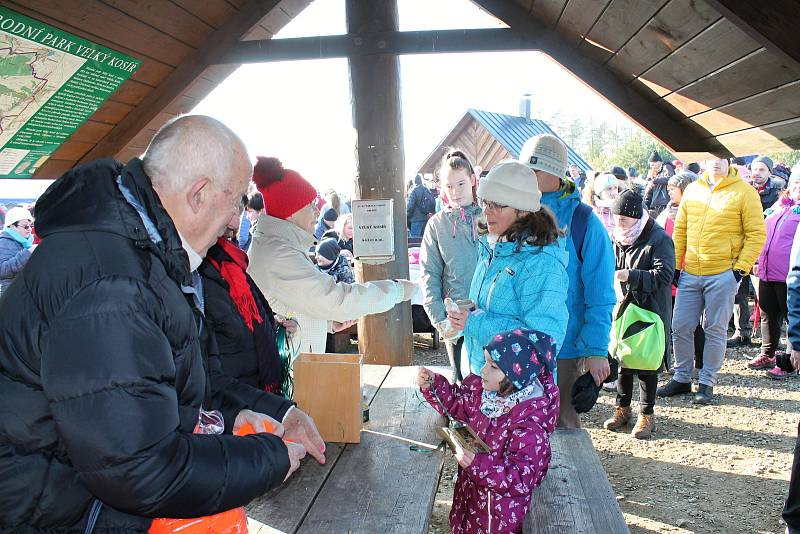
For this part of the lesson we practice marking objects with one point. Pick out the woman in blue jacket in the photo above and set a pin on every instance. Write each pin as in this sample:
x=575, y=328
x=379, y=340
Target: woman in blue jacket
x=521, y=278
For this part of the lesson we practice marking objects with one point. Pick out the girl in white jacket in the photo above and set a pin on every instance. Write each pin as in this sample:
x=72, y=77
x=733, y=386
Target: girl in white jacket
x=283, y=270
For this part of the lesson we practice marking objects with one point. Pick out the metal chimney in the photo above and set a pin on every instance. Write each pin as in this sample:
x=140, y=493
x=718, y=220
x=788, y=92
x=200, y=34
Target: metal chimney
x=525, y=106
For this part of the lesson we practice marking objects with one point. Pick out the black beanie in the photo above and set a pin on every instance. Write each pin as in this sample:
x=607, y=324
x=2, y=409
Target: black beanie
x=694, y=167
x=655, y=156
x=330, y=215
x=329, y=249
x=619, y=172
x=629, y=204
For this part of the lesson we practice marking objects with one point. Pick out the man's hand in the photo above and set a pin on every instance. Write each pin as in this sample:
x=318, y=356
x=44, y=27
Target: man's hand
x=622, y=275
x=296, y=453
x=464, y=457
x=424, y=378
x=300, y=428
x=259, y=422
x=794, y=358
x=598, y=367
x=338, y=327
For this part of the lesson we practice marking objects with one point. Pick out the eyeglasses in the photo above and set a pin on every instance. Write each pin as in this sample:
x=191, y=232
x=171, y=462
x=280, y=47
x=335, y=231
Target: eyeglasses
x=24, y=227
x=488, y=205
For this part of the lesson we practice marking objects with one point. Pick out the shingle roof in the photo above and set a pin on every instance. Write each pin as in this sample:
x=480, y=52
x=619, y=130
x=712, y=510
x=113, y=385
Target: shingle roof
x=512, y=132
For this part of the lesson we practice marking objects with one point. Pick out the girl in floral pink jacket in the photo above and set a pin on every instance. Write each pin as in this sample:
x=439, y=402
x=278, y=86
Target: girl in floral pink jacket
x=513, y=407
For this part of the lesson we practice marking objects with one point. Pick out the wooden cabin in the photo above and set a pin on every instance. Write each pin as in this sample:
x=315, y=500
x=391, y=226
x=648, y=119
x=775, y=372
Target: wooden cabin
x=487, y=138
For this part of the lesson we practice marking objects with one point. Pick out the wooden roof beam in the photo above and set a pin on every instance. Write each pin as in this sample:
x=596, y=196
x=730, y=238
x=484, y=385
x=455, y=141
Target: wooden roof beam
x=396, y=43
x=183, y=75
x=677, y=137
x=773, y=24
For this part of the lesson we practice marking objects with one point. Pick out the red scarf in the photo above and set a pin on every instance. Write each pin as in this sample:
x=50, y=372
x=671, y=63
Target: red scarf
x=234, y=273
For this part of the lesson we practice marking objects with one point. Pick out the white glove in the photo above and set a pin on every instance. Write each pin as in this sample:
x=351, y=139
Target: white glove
x=409, y=288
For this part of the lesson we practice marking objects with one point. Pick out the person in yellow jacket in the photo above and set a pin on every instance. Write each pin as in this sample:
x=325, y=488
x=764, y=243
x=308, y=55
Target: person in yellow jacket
x=719, y=233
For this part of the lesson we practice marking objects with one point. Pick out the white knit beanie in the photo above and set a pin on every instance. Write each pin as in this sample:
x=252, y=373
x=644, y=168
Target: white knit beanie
x=16, y=215
x=545, y=152
x=513, y=184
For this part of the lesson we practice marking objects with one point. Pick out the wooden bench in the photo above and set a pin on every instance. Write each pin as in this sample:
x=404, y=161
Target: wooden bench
x=377, y=486
x=576, y=496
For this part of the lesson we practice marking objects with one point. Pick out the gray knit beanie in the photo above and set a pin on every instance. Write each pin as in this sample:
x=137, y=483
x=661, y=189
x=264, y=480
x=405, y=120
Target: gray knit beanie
x=682, y=179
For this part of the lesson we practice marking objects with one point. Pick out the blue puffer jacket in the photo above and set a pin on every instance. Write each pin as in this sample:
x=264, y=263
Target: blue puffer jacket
x=13, y=257
x=516, y=287
x=590, y=311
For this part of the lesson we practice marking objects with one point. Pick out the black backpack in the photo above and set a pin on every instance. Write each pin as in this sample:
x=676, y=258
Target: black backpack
x=427, y=202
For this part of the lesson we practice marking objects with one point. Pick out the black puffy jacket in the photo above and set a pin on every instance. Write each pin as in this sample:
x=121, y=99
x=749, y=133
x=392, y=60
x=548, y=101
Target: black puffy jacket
x=250, y=356
x=104, y=366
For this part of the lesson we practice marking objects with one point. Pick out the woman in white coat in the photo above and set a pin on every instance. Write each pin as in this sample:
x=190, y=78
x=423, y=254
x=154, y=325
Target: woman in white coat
x=283, y=270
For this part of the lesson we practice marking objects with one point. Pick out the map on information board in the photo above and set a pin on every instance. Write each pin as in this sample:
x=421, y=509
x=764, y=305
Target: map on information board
x=50, y=83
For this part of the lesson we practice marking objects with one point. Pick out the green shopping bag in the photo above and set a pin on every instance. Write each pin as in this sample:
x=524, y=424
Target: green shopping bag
x=637, y=338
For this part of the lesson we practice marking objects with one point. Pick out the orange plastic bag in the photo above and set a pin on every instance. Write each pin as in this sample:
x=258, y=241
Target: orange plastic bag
x=230, y=522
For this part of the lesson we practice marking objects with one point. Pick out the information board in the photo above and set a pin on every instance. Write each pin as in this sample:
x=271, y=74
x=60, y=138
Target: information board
x=50, y=82
x=373, y=229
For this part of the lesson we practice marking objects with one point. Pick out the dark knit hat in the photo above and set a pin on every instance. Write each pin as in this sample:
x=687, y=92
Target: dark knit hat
x=330, y=215
x=629, y=204
x=522, y=354
x=694, y=167
x=285, y=192
x=765, y=160
x=682, y=179
x=329, y=249
x=619, y=172
x=655, y=156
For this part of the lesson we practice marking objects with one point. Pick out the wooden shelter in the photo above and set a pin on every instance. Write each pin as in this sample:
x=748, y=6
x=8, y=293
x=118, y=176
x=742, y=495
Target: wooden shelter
x=705, y=77
x=487, y=138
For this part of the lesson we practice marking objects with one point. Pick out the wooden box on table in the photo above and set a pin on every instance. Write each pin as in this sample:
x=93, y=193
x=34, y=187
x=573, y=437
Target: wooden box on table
x=328, y=388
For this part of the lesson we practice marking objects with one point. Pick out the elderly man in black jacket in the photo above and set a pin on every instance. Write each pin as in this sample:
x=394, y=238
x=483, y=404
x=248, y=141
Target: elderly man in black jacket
x=106, y=363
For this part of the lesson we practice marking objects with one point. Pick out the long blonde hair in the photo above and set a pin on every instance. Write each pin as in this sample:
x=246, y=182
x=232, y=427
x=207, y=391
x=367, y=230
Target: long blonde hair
x=341, y=222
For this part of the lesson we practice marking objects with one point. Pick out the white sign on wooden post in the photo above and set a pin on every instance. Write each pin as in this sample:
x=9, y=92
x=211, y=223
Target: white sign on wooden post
x=373, y=230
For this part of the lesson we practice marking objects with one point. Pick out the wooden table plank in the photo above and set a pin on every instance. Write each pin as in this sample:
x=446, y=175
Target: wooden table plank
x=380, y=485
x=575, y=496
x=284, y=507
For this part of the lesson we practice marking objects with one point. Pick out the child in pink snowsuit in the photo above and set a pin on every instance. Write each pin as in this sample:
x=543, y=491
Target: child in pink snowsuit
x=513, y=407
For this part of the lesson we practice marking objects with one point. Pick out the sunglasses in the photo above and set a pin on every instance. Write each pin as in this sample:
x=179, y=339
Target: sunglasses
x=488, y=205
x=24, y=227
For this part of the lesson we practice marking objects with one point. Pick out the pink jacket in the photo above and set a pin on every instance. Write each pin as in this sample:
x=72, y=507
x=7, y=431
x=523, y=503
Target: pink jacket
x=494, y=493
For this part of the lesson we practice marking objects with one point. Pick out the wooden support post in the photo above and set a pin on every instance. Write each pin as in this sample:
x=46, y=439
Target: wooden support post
x=386, y=338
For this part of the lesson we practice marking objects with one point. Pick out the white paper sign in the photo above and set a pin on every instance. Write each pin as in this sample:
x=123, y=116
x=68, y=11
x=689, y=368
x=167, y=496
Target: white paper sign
x=373, y=229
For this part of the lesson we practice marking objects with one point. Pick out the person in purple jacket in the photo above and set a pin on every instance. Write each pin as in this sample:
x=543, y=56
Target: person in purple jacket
x=772, y=269
x=513, y=407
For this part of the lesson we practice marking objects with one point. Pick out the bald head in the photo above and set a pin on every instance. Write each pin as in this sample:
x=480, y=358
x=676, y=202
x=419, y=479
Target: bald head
x=200, y=170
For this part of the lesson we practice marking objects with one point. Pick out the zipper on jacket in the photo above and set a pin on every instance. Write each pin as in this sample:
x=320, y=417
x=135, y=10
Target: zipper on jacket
x=491, y=289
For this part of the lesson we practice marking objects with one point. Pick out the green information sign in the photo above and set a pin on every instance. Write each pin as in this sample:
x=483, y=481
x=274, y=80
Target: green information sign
x=50, y=83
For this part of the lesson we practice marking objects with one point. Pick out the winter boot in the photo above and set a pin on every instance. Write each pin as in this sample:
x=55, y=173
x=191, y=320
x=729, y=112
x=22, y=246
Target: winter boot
x=645, y=426
x=620, y=419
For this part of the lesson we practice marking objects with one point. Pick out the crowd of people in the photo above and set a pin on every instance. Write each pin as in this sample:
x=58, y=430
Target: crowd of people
x=626, y=276
x=189, y=278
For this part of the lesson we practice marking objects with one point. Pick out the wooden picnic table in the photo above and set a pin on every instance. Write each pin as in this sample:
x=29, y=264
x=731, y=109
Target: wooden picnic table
x=576, y=496
x=377, y=486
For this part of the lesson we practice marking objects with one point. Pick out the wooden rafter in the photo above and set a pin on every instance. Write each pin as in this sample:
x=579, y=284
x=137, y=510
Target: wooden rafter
x=677, y=137
x=773, y=23
x=177, y=81
x=339, y=46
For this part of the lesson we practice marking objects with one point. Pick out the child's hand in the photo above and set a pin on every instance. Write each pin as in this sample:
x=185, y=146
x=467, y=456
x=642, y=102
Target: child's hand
x=464, y=457
x=424, y=378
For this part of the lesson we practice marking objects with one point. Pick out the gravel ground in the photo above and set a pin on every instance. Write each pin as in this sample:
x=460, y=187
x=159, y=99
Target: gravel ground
x=708, y=469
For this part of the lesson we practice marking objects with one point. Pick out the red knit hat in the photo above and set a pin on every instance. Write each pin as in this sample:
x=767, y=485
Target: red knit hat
x=285, y=192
